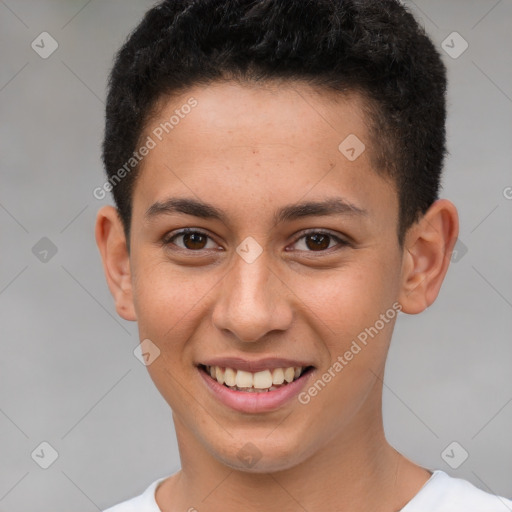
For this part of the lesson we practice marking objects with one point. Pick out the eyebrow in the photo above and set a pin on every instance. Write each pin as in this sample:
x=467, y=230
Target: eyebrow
x=188, y=206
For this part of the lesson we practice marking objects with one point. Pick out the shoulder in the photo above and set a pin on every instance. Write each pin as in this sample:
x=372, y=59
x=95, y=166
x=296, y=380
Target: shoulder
x=443, y=493
x=146, y=502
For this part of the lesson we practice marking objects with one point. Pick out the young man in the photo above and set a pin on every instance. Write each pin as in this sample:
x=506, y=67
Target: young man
x=275, y=166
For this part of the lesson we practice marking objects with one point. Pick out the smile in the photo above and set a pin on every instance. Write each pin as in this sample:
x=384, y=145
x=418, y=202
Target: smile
x=259, y=391
x=255, y=382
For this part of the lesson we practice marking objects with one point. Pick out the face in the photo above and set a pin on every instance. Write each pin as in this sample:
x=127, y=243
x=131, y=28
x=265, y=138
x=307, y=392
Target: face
x=258, y=244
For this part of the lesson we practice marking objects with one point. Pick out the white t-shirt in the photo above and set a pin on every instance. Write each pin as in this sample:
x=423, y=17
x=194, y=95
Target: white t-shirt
x=441, y=493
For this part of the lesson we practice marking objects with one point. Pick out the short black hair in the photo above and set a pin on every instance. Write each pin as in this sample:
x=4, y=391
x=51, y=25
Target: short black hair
x=374, y=48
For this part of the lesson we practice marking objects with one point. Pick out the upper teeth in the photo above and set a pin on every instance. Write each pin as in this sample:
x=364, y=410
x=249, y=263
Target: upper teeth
x=259, y=380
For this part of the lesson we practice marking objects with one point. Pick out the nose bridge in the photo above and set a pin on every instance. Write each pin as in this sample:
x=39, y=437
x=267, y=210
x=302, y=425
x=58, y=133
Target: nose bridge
x=251, y=301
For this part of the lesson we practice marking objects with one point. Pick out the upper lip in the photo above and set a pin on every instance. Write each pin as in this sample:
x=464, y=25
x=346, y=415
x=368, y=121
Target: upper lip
x=238, y=363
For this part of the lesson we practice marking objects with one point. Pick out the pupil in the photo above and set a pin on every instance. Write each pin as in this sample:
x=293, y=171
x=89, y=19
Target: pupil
x=320, y=241
x=194, y=239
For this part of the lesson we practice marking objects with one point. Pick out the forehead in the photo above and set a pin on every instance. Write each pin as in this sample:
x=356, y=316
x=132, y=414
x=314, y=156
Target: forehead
x=270, y=113
x=260, y=145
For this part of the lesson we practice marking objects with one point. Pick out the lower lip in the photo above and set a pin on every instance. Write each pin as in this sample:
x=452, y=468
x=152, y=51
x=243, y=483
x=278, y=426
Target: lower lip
x=255, y=402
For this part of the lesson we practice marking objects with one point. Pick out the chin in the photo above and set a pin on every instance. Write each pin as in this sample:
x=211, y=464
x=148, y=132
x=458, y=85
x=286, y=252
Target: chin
x=257, y=456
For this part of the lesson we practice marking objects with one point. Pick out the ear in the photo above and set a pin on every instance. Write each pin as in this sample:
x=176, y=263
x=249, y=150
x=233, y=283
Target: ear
x=427, y=249
x=111, y=242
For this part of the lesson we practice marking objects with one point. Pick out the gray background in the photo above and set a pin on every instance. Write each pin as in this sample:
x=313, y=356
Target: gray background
x=68, y=375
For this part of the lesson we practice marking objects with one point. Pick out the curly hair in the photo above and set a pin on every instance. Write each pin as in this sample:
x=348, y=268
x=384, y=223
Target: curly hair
x=374, y=48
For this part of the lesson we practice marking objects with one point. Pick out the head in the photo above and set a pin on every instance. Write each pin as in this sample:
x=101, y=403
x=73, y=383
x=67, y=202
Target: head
x=301, y=144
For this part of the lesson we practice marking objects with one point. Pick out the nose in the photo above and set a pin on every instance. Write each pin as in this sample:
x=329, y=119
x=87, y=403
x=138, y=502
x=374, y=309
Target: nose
x=252, y=301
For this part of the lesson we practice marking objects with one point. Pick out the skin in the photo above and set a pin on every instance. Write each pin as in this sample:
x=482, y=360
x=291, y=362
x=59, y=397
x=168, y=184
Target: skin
x=249, y=150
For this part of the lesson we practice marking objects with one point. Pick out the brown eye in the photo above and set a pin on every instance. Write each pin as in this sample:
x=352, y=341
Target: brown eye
x=318, y=241
x=192, y=240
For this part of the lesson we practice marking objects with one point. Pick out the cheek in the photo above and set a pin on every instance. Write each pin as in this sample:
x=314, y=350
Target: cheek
x=358, y=309
x=165, y=297
x=350, y=298
x=168, y=305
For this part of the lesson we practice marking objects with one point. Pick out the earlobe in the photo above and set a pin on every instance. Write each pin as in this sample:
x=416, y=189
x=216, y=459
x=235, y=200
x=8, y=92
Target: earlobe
x=427, y=251
x=111, y=242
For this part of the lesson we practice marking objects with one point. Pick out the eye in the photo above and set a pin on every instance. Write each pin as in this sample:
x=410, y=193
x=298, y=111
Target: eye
x=193, y=240
x=196, y=240
x=319, y=241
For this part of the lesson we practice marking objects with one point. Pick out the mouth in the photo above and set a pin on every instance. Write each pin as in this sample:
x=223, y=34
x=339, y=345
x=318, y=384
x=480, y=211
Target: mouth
x=263, y=381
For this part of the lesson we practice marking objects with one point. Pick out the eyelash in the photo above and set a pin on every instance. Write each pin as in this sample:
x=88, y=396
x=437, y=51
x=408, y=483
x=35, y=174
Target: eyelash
x=168, y=239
